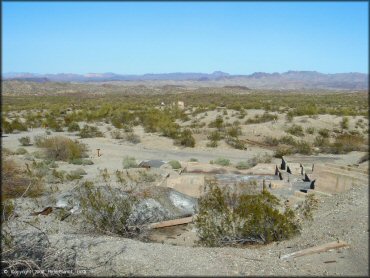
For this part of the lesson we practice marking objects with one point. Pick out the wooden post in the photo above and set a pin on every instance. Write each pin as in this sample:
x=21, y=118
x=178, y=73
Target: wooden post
x=316, y=249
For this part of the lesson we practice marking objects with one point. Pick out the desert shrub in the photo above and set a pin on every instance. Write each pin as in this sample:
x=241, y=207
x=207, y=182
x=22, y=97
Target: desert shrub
x=132, y=138
x=321, y=141
x=185, y=139
x=59, y=176
x=193, y=159
x=324, y=132
x=145, y=176
x=129, y=162
x=25, y=141
x=222, y=161
x=295, y=130
x=235, y=143
x=265, y=117
x=73, y=127
x=226, y=218
x=214, y=136
x=81, y=161
x=21, y=151
x=271, y=141
x=212, y=144
x=217, y=123
x=307, y=208
x=344, y=124
x=15, y=182
x=18, y=125
x=175, y=164
x=116, y=134
x=76, y=174
x=289, y=116
x=6, y=126
x=303, y=147
x=89, y=131
x=242, y=165
x=347, y=142
x=128, y=128
x=260, y=158
x=105, y=210
x=234, y=131
x=310, y=130
x=62, y=148
x=288, y=140
x=282, y=151
x=7, y=212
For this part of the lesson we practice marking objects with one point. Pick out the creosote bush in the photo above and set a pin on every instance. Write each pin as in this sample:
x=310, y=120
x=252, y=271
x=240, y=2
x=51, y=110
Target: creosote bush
x=226, y=218
x=296, y=130
x=89, y=131
x=15, y=182
x=73, y=127
x=129, y=162
x=62, y=148
x=106, y=210
x=186, y=139
x=221, y=161
x=175, y=164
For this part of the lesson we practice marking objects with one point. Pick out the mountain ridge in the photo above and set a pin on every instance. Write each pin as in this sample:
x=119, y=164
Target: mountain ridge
x=286, y=80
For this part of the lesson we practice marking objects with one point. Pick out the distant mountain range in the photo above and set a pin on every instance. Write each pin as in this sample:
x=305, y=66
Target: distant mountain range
x=257, y=80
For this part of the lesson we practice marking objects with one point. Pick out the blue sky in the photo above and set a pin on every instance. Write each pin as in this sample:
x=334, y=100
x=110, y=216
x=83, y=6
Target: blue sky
x=159, y=37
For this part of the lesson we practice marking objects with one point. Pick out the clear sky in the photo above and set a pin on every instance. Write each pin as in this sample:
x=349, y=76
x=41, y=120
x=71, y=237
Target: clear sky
x=160, y=37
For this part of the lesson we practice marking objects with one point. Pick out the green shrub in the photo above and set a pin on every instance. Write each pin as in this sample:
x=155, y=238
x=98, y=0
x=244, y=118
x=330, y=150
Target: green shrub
x=25, y=141
x=73, y=127
x=76, y=174
x=214, y=136
x=282, y=151
x=307, y=208
x=81, y=161
x=186, y=139
x=234, y=131
x=271, y=141
x=235, y=143
x=310, y=130
x=116, y=134
x=15, y=182
x=222, y=161
x=217, y=123
x=288, y=140
x=18, y=125
x=175, y=164
x=21, y=151
x=129, y=162
x=303, y=147
x=90, y=132
x=105, y=210
x=260, y=158
x=296, y=130
x=132, y=138
x=242, y=165
x=62, y=148
x=212, y=144
x=324, y=132
x=265, y=117
x=226, y=218
x=344, y=124
x=193, y=160
x=321, y=141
